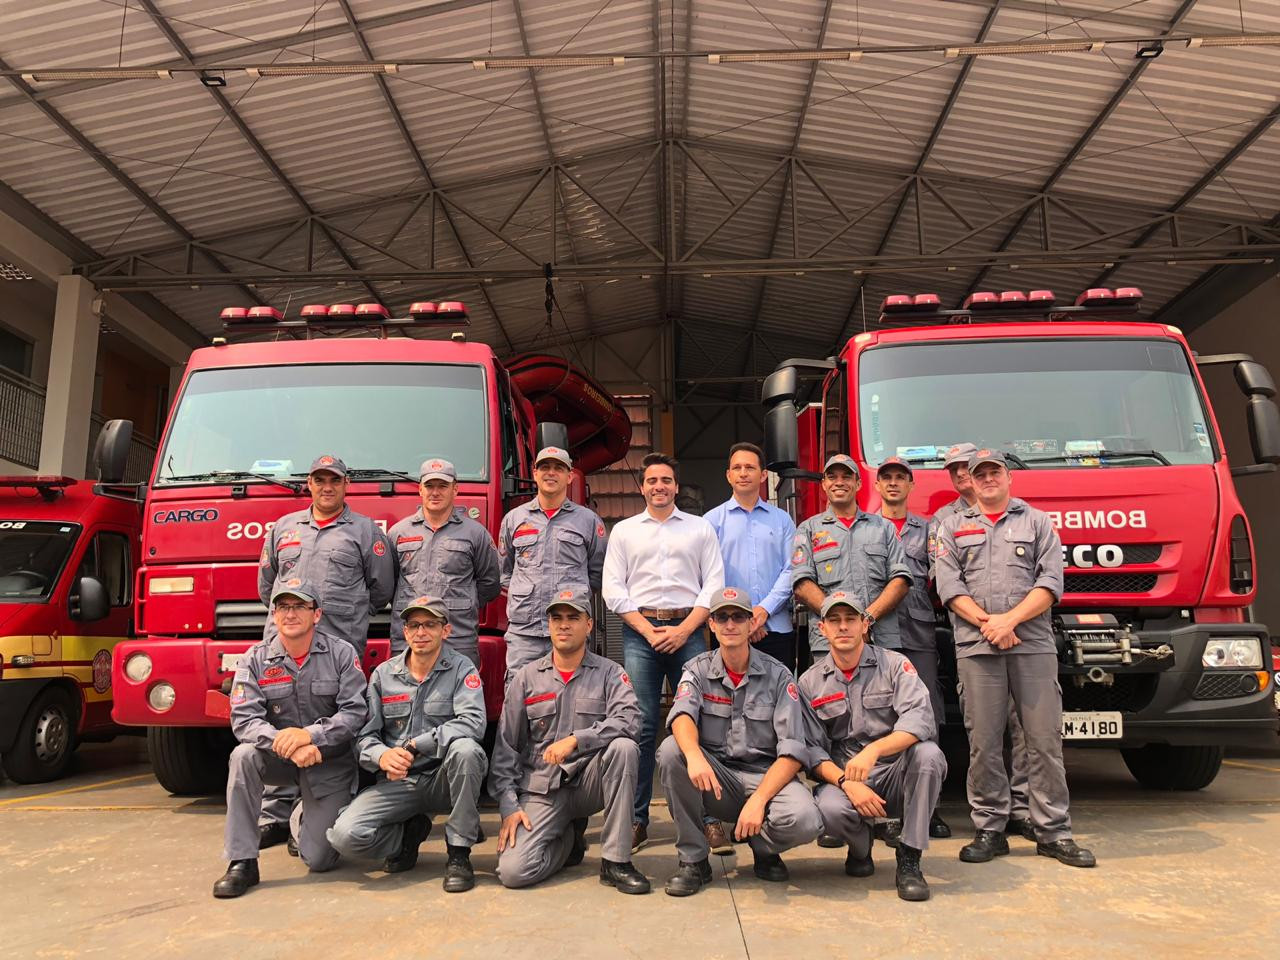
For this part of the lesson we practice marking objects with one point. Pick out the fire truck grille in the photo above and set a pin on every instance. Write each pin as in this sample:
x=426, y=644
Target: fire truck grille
x=245, y=620
x=1130, y=692
x=1221, y=686
x=1142, y=552
x=1110, y=582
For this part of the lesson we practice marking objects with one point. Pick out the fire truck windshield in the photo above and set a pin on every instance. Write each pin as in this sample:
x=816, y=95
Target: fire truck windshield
x=255, y=424
x=32, y=554
x=1054, y=403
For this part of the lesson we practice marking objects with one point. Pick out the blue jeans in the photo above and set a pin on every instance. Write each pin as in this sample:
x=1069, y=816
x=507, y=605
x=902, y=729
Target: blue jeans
x=647, y=668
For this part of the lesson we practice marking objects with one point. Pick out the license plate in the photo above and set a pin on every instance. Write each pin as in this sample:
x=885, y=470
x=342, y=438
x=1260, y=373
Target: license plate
x=231, y=662
x=1093, y=725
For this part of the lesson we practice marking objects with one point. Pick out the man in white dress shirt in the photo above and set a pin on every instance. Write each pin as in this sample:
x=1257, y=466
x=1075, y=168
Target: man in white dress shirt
x=660, y=570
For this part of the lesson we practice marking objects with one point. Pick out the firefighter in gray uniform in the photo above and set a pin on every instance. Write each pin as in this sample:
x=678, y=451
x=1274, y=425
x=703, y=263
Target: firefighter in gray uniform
x=422, y=739
x=846, y=548
x=874, y=745
x=546, y=545
x=737, y=743
x=441, y=552
x=297, y=703
x=344, y=556
x=566, y=748
x=999, y=569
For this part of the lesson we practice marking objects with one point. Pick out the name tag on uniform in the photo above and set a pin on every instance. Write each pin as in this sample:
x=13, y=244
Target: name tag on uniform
x=539, y=698
x=971, y=531
x=822, y=701
x=397, y=698
x=408, y=541
x=717, y=699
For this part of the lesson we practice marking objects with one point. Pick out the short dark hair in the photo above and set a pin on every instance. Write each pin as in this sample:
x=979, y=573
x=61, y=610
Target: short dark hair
x=653, y=459
x=745, y=447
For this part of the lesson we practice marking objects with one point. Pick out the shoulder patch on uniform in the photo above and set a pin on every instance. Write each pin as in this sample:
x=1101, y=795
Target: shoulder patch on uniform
x=683, y=689
x=272, y=672
x=625, y=679
x=473, y=681
x=599, y=528
x=792, y=692
x=237, y=695
x=379, y=548
x=265, y=559
x=908, y=666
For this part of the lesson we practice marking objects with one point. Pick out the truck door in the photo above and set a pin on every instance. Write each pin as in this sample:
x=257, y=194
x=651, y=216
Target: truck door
x=108, y=557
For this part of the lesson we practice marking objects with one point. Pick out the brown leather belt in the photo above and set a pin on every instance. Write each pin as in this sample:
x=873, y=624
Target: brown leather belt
x=656, y=613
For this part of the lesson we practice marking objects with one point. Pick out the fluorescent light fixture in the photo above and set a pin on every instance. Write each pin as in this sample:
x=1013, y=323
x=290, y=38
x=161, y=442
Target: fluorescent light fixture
x=1236, y=40
x=1013, y=49
x=784, y=56
x=105, y=73
x=212, y=80
x=321, y=69
x=543, y=63
x=1150, y=51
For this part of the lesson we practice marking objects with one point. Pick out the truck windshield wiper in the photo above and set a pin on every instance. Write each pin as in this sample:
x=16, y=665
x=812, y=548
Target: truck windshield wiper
x=378, y=473
x=226, y=476
x=1102, y=455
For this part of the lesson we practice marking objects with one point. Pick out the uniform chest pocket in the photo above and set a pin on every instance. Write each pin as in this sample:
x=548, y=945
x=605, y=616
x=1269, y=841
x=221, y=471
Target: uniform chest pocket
x=438, y=709
x=588, y=710
x=831, y=709
x=455, y=557
x=344, y=566
x=760, y=732
x=713, y=724
x=409, y=547
x=395, y=716
x=289, y=553
x=278, y=690
x=571, y=550
x=827, y=556
x=527, y=544
x=324, y=694
x=1020, y=549
x=877, y=700
x=541, y=719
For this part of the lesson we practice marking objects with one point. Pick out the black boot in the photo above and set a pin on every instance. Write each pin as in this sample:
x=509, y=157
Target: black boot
x=860, y=866
x=889, y=832
x=1020, y=827
x=292, y=847
x=690, y=878
x=623, y=876
x=1066, y=851
x=909, y=880
x=939, y=829
x=986, y=845
x=272, y=834
x=416, y=829
x=459, y=876
x=240, y=876
x=579, y=848
x=829, y=841
x=769, y=866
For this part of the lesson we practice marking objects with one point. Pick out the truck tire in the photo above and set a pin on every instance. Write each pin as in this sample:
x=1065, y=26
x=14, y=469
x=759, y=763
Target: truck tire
x=1159, y=766
x=46, y=739
x=190, y=761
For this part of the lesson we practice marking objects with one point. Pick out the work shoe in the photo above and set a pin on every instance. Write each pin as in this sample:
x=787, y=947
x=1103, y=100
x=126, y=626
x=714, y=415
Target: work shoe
x=689, y=879
x=240, y=876
x=939, y=829
x=1066, y=851
x=860, y=866
x=272, y=835
x=769, y=866
x=717, y=839
x=416, y=829
x=624, y=877
x=291, y=845
x=909, y=880
x=829, y=841
x=1020, y=827
x=639, y=836
x=888, y=832
x=986, y=845
x=578, y=849
x=459, y=876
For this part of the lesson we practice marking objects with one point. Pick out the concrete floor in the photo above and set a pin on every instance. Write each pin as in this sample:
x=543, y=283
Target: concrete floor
x=105, y=863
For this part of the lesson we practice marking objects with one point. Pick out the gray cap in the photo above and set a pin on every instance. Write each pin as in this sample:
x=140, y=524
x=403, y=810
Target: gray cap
x=432, y=605
x=437, y=469
x=731, y=597
x=841, y=599
x=328, y=463
x=986, y=455
x=959, y=454
x=896, y=462
x=576, y=597
x=294, y=588
x=841, y=460
x=554, y=453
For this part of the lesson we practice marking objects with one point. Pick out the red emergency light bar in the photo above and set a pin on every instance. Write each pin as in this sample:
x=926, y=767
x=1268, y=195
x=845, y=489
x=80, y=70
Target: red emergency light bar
x=341, y=311
x=369, y=311
x=49, y=487
x=904, y=303
x=318, y=310
x=451, y=313
x=1014, y=305
x=263, y=314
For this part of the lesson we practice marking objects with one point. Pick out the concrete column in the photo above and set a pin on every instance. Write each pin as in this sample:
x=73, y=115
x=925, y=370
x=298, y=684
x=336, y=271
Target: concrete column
x=73, y=360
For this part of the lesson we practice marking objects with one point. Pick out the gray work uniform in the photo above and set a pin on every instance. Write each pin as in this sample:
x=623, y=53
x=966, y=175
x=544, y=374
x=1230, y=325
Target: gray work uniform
x=596, y=705
x=457, y=563
x=324, y=696
x=539, y=558
x=742, y=730
x=916, y=621
x=935, y=523
x=444, y=717
x=861, y=560
x=997, y=565
x=347, y=560
x=884, y=696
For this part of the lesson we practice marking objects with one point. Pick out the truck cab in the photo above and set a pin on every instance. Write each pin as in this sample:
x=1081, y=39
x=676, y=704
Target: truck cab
x=1109, y=430
x=67, y=559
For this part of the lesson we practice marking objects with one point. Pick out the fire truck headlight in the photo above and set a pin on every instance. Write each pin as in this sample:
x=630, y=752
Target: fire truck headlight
x=138, y=667
x=171, y=585
x=1233, y=654
x=161, y=697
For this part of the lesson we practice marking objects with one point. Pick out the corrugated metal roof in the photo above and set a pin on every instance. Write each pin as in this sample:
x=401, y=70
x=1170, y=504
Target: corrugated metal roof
x=483, y=135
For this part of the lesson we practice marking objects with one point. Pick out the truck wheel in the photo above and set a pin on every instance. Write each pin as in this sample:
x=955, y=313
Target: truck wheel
x=1159, y=766
x=45, y=741
x=190, y=761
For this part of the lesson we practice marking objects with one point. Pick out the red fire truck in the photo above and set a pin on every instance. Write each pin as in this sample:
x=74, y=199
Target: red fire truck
x=1108, y=428
x=249, y=419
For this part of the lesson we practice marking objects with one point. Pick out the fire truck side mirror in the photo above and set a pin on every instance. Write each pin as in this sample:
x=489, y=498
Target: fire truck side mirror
x=781, y=438
x=1264, y=429
x=550, y=434
x=111, y=452
x=88, y=600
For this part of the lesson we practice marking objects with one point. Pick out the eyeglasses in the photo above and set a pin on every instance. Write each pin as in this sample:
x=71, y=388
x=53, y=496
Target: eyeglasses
x=738, y=616
x=294, y=607
x=421, y=626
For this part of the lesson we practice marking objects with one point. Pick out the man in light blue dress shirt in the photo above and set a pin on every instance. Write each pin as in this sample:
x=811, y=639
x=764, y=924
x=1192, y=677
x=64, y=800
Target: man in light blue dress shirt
x=755, y=544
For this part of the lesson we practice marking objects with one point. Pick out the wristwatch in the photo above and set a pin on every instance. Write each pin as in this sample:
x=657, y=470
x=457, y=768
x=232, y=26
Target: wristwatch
x=410, y=746
x=840, y=782
x=871, y=620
